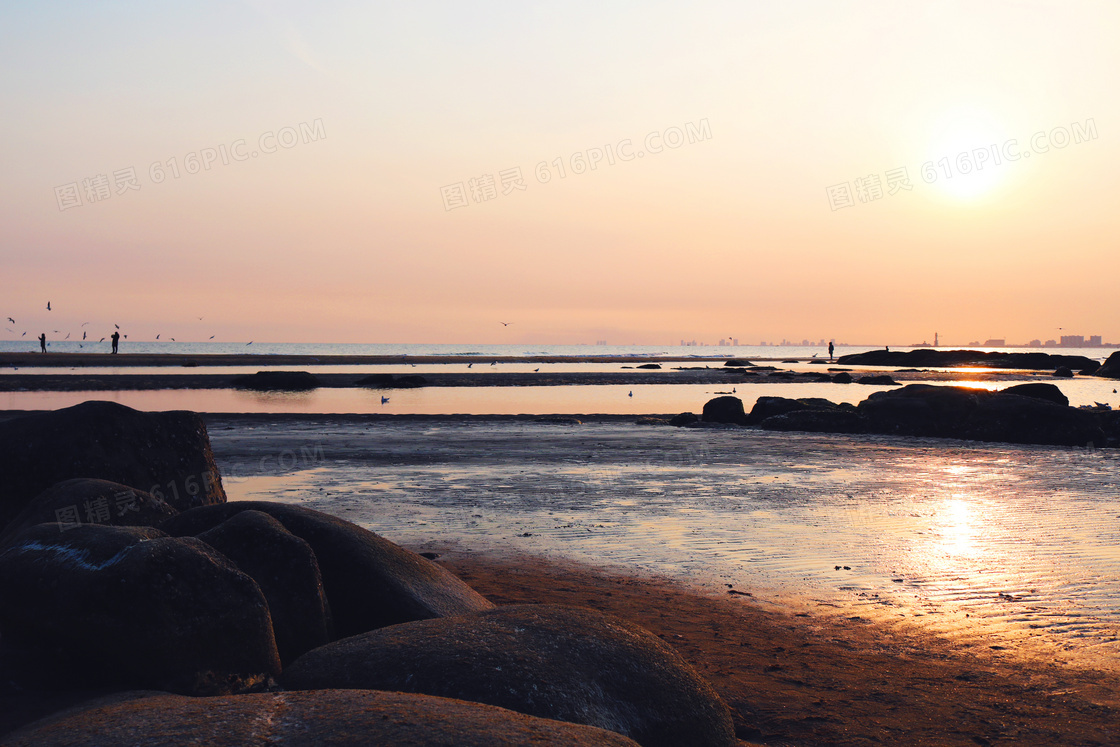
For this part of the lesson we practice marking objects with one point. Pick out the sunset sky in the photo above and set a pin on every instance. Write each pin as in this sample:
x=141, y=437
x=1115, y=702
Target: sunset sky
x=361, y=224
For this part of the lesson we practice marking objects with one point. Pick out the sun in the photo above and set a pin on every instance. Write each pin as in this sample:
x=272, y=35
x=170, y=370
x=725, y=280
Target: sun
x=965, y=161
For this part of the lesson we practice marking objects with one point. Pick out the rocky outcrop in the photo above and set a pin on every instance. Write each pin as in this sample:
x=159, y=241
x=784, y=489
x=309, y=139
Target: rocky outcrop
x=278, y=381
x=86, y=501
x=551, y=661
x=338, y=718
x=369, y=581
x=878, y=380
x=927, y=358
x=100, y=606
x=684, y=418
x=1111, y=367
x=817, y=421
x=164, y=453
x=1038, y=390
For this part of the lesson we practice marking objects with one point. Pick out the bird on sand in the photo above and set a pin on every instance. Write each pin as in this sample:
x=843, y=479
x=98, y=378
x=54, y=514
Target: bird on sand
x=469, y=365
x=631, y=394
x=384, y=400
x=494, y=363
x=535, y=370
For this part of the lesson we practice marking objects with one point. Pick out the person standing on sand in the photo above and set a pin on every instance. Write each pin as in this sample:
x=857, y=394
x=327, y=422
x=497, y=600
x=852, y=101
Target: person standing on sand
x=43, y=342
x=116, y=338
x=831, y=347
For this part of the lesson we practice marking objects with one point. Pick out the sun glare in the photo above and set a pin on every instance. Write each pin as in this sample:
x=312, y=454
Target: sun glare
x=965, y=157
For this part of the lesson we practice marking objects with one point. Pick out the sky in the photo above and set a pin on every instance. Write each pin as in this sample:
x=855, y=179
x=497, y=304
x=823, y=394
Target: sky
x=635, y=172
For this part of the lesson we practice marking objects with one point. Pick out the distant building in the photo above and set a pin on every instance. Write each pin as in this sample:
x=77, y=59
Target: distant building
x=1095, y=341
x=995, y=342
x=1050, y=344
x=1034, y=344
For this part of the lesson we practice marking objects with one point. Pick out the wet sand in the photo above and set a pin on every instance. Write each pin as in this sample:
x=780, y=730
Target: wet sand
x=803, y=679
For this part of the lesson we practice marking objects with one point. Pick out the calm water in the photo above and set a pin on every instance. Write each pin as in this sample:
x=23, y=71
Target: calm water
x=1009, y=546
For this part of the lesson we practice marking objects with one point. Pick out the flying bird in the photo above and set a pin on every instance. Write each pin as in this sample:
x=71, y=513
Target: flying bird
x=469, y=365
x=506, y=324
x=23, y=334
x=84, y=323
x=212, y=337
x=48, y=305
x=117, y=326
x=172, y=339
x=102, y=340
x=67, y=336
x=384, y=400
x=13, y=321
x=9, y=329
x=157, y=337
x=248, y=343
x=83, y=335
x=200, y=319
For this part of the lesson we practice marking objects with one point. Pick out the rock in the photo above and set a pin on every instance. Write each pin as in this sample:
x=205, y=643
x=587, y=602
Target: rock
x=920, y=410
x=1038, y=390
x=278, y=381
x=1063, y=372
x=164, y=453
x=842, y=378
x=338, y=718
x=388, y=381
x=685, y=418
x=768, y=407
x=1111, y=367
x=285, y=569
x=650, y=366
x=369, y=581
x=817, y=421
x=738, y=362
x=651, y=421
x=130, y=607
x=551, y=661
x=559, y=420
x=724, y=410
x=880, y=380
x=938, y=358
x=87, y=501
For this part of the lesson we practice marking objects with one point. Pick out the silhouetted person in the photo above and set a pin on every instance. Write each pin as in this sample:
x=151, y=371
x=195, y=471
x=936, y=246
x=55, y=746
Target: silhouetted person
x=43, y=342
x=831, y=347
x=116, y=338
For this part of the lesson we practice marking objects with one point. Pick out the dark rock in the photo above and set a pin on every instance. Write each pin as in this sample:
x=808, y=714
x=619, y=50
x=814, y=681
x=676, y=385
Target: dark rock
x=334, y=718
x=880, y=380
x=164, y=453
x=389, y=381
x=651, y=421
x=817, y=421
x=369, y=581
x=842, y=378
x=768, y=407
x=1063, y=372
x=685, y=418
x=278, y=381
x=740, y=362
x=724, y=410
x=1090, y=371
x=959, y=412
x=285, y=569
x=552, y=661
x=85, y=501
x=1111, y=367
x=929, y=358
x=650, y=365
x=130, y=607
x=559, y=420
x=1038, y=390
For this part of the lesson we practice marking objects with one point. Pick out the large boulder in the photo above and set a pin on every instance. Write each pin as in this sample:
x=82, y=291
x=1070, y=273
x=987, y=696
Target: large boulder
x=369, y=581
x=99, y=606
x=1111, y=367
x=285, y=569
x=87, y=501
x=164, y=453
x=725, y=409
x=1038, y=390
x=338, y=718
x=920, y=410
x=551, y=661
x=278, y=381
x=683, y=419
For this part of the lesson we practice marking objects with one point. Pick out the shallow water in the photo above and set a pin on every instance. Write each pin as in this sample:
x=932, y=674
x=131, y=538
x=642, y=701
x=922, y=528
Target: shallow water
x=1018, y=547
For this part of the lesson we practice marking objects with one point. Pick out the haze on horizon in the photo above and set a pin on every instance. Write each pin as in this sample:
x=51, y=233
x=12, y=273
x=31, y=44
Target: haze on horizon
x=356, y=221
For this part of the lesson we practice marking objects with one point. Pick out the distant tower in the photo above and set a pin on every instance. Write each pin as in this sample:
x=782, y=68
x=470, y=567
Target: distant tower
x=935, y=339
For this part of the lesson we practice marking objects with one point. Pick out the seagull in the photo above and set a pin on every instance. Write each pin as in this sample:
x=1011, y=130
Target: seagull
x=172, y=339
x=67, y=336
x=248, y=343
x=384, y=400
x=631, y=394
x=494, y=363
x=84, y=323
x=83, y=335
x=117, y=326
x=157, y=337
x=469, y=365
x=48, y=305
x=9, y=329
x=200, y=318
x=13, y=321
x=506, y=324
x=212, y=337
x=101, y=340
x=23, y=334
x=535, y=370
